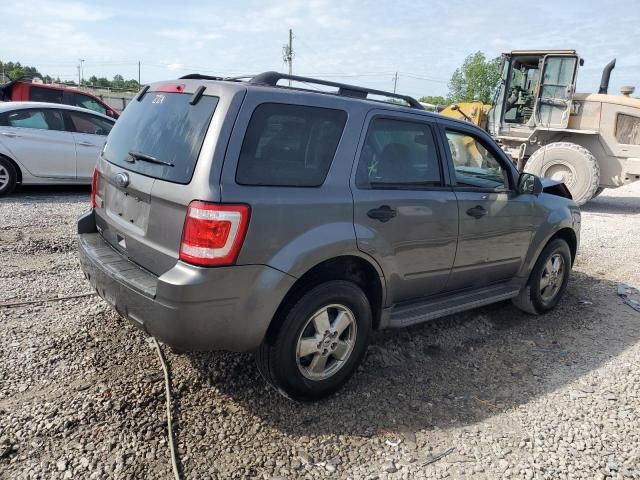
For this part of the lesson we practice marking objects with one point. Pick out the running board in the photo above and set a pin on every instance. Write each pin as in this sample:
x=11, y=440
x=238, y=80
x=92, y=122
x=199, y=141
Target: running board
x=405, y=315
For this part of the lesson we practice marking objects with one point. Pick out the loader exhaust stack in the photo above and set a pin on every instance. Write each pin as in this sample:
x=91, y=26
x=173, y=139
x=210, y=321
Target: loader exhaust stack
x=606, y=75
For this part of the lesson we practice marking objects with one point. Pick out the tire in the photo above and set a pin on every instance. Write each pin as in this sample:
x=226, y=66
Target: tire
x=300, y=377
x=572, y=164
x=8, y=177
x=534, y=298
x=598, y=192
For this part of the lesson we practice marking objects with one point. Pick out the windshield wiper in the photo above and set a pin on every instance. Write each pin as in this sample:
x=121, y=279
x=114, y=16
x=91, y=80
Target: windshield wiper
x=148, y=158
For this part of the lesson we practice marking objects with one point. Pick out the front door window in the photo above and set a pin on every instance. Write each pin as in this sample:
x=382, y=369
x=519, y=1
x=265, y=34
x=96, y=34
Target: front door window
x=474, y=165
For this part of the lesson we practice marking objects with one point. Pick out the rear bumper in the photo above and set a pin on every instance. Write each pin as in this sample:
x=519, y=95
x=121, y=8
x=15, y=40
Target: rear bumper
x=189, y=308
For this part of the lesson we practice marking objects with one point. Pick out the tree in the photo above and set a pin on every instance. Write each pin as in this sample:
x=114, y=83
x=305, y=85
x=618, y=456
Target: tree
x=437, y=100
x=475, y=80
x=15, y=71
x=118, y=81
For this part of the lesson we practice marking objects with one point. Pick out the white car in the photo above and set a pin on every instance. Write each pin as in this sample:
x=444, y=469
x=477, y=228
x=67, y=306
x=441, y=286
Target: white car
x=49, y=143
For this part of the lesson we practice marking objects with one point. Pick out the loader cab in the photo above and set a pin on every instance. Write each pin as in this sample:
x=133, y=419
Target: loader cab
x=535, y=91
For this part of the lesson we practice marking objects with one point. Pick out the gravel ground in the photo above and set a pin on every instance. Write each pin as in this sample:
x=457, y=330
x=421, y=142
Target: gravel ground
x=491, y=393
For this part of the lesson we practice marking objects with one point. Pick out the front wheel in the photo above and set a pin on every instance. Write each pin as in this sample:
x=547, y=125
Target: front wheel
x=548, y=279
x=569, y=163
x=319, y=342
x=8, y=177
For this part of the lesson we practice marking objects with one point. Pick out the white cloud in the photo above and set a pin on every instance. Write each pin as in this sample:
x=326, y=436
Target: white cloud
x=72, y=11
x=342, y=37
x=188, y=35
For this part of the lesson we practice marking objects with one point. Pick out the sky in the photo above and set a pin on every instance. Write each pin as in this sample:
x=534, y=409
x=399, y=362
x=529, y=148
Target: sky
x=360, y=42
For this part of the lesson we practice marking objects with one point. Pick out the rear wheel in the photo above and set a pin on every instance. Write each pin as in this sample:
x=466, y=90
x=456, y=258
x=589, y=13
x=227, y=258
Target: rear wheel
x=319, y=343
x=8, y=177
x=569, y=163
x=598, y=192
x=548, y=279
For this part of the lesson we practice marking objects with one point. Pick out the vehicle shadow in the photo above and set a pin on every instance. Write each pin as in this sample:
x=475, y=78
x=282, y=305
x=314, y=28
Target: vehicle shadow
x=455, y=371
x=48, y=193
x=613, y=205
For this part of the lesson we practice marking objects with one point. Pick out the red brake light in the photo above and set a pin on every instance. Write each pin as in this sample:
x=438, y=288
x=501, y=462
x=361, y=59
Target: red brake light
x=213, y=233
x=169, y=88
x=94, y=186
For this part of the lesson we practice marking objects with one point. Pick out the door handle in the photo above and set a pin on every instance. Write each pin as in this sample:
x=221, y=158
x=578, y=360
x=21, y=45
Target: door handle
x=86, y=144
x=384, y=213
x=9, y=134
x=477, y=212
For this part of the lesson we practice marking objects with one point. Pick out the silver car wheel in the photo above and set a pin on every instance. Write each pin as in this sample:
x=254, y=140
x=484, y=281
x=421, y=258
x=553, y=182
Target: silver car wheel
x=4, y=177
x=326, y=342
x=552, y=277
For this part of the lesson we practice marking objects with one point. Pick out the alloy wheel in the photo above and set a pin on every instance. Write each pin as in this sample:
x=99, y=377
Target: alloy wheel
x=552, y=277
x=326, y=342
x=4, y=177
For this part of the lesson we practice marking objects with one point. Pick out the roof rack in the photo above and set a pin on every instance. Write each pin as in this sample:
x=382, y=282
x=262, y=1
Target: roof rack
x=272, y=78
x=199, y=76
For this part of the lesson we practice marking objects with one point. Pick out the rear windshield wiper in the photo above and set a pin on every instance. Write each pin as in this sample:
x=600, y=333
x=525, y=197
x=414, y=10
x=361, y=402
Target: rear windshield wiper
x=148, y=158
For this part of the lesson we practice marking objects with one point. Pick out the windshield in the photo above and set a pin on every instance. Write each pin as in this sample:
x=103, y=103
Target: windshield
x=162, y=126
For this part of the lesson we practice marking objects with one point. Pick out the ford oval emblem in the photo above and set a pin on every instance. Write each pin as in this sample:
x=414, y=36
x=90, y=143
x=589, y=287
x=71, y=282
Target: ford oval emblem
x=121, y=179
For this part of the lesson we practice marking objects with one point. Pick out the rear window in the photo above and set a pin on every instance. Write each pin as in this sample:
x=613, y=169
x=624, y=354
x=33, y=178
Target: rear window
x=165, y=127
x=628, y=129
x=43, y=94
x=289, y=145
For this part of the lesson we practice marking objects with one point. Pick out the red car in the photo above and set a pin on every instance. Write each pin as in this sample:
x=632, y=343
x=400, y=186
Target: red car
x=22, y=90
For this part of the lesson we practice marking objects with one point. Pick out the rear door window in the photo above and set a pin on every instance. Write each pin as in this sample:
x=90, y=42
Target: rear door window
x=165, y=127
x=289, y=145
x=45, y=119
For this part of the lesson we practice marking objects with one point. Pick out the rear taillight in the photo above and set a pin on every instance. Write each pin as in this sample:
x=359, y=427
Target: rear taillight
x=213, y=233
x=94, y=187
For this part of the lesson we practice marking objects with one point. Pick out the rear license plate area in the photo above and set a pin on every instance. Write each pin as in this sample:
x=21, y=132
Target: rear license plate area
x=127, y=208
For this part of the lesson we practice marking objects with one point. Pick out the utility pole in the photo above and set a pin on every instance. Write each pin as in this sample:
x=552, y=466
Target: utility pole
x=395, y=82
x=287, y=53
x=80, y=72
x=138, y=73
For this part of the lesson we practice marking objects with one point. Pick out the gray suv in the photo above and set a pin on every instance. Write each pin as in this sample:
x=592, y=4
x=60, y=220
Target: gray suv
x=247, y=216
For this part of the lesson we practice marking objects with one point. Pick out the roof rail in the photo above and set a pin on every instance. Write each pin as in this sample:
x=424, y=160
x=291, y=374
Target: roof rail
x=272, y=78
x=199, y=76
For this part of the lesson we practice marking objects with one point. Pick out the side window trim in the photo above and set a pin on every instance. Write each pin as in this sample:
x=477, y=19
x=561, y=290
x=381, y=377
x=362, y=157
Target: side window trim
x=428, y=123
x=497, y=155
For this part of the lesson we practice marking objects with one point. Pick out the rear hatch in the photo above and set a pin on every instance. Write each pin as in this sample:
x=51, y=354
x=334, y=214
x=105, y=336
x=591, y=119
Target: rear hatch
x=159, y=156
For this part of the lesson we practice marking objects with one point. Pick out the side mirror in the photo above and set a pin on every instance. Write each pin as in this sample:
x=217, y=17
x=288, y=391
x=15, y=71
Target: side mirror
x=529, y=183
